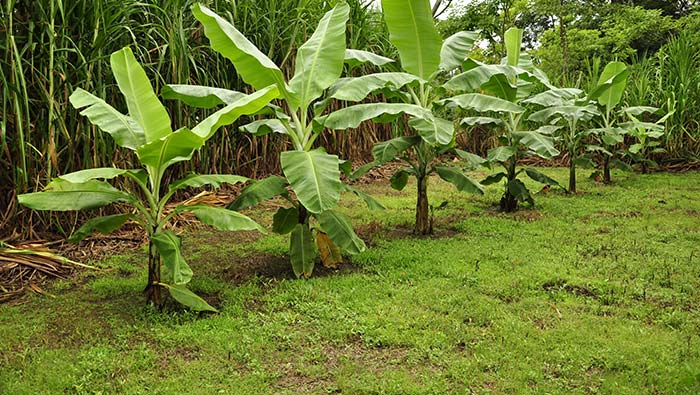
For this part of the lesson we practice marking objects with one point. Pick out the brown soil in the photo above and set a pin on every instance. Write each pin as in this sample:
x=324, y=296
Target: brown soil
x=275, y=267
x=577, y=290
x=384, y=172
x=525, y=214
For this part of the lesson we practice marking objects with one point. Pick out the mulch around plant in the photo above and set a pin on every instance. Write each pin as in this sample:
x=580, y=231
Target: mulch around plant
x=25, y=267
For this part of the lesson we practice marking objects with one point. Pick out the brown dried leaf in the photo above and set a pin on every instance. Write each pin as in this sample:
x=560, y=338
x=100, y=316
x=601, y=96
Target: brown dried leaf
x=329, y=251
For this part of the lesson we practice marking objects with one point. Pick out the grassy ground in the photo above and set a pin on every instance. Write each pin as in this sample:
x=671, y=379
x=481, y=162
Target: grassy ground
x=597, y=293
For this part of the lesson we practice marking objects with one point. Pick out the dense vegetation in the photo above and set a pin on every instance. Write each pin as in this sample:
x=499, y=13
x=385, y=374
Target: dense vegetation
x=49, y=48
x=301, y=103
x=573, y=39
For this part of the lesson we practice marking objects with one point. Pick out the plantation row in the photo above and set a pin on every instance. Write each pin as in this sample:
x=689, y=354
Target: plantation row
x=49, y=48
x=438, y=87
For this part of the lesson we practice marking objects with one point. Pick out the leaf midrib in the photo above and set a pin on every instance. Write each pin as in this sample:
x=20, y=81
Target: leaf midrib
x=417, y=39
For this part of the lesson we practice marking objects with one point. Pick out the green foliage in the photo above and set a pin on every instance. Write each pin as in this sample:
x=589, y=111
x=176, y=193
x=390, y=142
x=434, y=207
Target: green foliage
x=312, y=173
x=669, y=80
x=146, y=130
x=506, y=87
x=425, y=58
x=53, y=47
x=574, y=114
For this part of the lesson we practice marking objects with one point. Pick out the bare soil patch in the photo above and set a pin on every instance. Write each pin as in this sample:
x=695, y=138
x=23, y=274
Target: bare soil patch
x=275, y=267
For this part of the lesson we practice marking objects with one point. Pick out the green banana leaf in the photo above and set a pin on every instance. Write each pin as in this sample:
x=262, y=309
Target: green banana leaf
x=315, y=178
x=253, y=66
x=319, y=60
x=170, y=248
x=338, y=228
x=144, y=106
x=61, y=195
x=302, y=250
x=412, y=31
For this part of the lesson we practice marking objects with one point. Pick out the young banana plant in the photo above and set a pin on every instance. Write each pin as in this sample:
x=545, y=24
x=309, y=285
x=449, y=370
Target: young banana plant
x=646, y=134
x=146, y=130
x=312, y=173
x=616, y=123
x=574, y=114
x=608, y=93
x=416, y=92
x=500, y=101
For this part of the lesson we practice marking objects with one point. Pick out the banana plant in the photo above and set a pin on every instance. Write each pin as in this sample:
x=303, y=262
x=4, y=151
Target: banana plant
x=416, y=92
x=608, y=93
x=646, y=134
x=500, y=101
x=146, y=130
x=311, y=173
x=574, y=114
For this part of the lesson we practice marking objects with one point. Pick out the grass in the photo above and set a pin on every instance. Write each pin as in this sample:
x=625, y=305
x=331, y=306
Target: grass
x=596, y=293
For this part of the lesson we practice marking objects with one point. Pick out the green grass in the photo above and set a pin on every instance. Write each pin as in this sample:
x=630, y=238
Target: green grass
x=596, y=293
